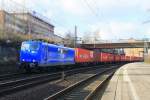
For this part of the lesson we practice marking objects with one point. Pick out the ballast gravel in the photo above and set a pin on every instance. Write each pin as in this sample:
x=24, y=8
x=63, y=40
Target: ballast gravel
x=42, y=91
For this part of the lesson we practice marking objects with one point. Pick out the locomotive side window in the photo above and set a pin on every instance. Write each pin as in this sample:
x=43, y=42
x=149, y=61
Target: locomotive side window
x=65, y=51
x=62, y=51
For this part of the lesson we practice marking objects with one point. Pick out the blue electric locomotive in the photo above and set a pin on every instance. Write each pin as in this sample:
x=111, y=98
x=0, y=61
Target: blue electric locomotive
x=37, y=54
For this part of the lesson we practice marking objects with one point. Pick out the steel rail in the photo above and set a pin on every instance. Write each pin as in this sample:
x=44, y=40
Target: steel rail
x=91, y=95
x=16, y=85
x=70, y=88
x=8, y=76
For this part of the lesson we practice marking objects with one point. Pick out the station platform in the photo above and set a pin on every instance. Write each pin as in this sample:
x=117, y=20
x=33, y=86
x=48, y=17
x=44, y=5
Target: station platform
x=130, y=82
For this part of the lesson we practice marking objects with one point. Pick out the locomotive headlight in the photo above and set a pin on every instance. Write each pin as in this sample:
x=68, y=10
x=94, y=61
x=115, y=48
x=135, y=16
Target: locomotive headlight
x=23, y=60
x=33, y=51
x=33, y=60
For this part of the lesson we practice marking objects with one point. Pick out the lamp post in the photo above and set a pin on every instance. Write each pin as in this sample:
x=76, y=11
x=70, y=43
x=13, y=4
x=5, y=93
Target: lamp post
x=75, y=36
x=145, y=48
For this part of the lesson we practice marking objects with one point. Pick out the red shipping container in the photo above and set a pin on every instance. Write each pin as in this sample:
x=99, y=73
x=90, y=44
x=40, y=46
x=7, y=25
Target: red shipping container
x=132, y=58
x=127, y=58
x=122, y=58
x=83, y=55
x=141, y=58
x=117, y=58
x=104, y=57
x=111, y=57
x=96, y=56
x=135, y=58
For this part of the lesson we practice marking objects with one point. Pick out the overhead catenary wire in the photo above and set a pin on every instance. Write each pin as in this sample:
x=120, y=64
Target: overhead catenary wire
x=92, y=10
x=98, y=16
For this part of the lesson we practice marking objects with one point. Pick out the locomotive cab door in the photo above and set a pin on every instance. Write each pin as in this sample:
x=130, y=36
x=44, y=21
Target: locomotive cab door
x=45, y=53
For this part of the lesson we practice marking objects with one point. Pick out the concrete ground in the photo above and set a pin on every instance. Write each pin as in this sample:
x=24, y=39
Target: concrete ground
x=130, y=82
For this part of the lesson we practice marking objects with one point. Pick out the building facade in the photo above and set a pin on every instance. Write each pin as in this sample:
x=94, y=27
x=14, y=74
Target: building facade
x=134, y=52
x=36, y=25
x=9, y=23
x=27, y=23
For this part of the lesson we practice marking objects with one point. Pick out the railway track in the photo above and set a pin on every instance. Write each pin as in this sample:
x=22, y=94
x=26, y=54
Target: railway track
x=16, y=76
x=9, y=76
x=84, y=89
x=13, y=76
x=16, y=85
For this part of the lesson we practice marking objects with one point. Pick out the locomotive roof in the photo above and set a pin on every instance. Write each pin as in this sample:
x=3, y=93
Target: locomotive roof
x=36, y=41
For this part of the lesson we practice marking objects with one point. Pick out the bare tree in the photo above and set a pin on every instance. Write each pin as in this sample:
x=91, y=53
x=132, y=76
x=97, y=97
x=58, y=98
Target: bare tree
x=87, y=38
x=69, y=39
x=91, y=37
x=96, y=36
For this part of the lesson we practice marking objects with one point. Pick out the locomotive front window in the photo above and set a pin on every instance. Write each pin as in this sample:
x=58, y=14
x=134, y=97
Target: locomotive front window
x=32, y=47
x=25, y=46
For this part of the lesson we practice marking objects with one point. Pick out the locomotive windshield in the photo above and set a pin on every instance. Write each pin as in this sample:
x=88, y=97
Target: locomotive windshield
x=32, y=47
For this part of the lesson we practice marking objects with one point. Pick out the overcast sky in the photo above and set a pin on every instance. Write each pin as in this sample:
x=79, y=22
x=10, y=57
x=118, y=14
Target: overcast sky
x=113, y=19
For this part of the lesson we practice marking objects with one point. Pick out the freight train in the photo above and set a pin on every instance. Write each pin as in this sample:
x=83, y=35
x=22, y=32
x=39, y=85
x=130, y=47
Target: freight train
x=39, y=54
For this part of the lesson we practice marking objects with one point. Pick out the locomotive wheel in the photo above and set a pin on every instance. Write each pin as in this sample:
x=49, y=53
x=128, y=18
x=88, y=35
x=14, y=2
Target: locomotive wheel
x=27, y=68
